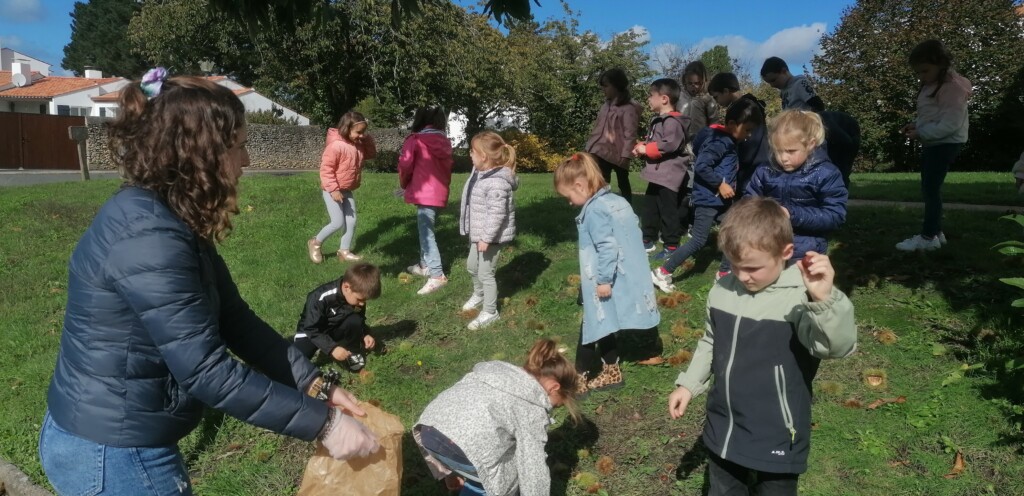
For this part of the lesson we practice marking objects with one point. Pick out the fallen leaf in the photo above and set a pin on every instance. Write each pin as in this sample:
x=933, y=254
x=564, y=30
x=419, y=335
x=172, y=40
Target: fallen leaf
x=681, y=297
x=680, y=357
x=531, y=301
x=594, y=488
x=636, y=416
x=885, y=401
x=667, y=301
x=899, y=463
x=573, y=280
x=366, y=377
x=958, y=466
x=404, y=278
x=599, y=410
x=586, y=479
x=853, y=403
x=249, y=208
x=605, y=465
x=938, y=349
x=886, y=336
x=583, y=453
x=469, y=314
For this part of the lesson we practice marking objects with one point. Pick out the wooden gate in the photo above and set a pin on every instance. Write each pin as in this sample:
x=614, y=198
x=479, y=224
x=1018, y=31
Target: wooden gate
x=34, y=141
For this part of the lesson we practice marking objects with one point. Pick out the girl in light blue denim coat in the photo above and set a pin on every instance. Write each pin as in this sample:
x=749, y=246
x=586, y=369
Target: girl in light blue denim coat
x=614, y=285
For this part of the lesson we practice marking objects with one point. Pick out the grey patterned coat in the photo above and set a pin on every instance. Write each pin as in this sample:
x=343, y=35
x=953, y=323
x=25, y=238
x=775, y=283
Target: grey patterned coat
x=498, y=415
x=488, y=214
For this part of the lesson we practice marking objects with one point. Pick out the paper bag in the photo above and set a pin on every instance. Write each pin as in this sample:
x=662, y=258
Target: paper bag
x=379, y=474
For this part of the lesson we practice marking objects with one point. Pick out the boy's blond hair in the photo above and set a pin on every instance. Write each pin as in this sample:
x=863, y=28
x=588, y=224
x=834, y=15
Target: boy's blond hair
x=757, y=223
x=805, y=126
x=363, y=278
x=580, y=165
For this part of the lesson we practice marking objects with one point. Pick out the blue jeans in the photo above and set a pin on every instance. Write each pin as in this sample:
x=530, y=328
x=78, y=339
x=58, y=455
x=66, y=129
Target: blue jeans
x=78, y=466
x=446, y=452
x=703, y=219
x=430, y=256
x=935, y=162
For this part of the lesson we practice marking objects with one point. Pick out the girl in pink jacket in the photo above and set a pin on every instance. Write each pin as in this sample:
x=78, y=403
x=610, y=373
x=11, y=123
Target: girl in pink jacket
x=425, y=172
x=611, y=142
x=341, y=169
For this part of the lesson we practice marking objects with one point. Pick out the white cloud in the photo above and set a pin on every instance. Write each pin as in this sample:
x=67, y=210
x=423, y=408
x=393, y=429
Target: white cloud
x=795, y=45
x=641, y=33
x=22, y=10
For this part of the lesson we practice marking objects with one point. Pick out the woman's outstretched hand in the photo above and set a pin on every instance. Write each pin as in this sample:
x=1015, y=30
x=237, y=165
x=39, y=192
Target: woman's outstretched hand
x=348, y=437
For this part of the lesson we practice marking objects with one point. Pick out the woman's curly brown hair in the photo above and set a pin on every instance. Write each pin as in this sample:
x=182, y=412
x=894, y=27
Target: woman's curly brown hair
x=177, y=145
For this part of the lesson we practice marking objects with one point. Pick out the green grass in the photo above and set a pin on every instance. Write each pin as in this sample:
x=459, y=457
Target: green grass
x=979, y=188
x=947, y=309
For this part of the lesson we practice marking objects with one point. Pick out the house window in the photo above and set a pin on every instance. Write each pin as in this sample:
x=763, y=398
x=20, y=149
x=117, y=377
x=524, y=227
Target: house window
x=69, y=110
x=42, y=108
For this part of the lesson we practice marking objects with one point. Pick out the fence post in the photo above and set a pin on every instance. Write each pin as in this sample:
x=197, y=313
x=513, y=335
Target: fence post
x=80, y=134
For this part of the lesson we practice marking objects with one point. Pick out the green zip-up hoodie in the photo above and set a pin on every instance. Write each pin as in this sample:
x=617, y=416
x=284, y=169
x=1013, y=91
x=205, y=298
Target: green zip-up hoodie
x=763, y=350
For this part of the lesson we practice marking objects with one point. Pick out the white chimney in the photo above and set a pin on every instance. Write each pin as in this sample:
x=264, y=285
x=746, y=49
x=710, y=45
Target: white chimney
x=93, y=74
x=21, y=74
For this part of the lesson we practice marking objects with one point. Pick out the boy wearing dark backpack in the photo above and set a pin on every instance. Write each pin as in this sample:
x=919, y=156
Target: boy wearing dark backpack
x=667, y=163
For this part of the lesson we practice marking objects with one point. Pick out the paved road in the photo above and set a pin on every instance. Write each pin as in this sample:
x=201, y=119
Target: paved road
x=10, y=177
x=23, y=178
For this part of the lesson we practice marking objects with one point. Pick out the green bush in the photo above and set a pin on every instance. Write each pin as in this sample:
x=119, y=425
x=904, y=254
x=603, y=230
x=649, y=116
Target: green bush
x=274, y=116
x=533, y=153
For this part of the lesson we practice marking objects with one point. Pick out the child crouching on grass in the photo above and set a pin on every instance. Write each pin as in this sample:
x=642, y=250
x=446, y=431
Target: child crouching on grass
x=334, y=318
x=758, y=423
x=486, y=434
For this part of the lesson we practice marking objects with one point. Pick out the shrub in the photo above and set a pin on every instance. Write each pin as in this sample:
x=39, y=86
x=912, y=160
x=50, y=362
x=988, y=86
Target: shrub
x=533, y=153
x=273, y=116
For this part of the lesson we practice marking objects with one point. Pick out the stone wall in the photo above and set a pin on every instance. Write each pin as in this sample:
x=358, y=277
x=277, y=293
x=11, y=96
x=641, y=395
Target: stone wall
x=270, y=146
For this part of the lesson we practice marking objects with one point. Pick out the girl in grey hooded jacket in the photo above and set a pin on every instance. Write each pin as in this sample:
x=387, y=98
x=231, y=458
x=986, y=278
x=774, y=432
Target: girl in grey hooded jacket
x=486, y=434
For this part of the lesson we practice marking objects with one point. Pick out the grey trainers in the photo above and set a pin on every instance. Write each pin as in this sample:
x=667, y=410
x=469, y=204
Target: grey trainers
x=918, y=243
x=473, y=302
x=417, y=270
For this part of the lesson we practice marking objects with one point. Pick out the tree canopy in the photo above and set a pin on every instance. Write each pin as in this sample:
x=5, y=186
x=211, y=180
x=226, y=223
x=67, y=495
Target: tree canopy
x=863, y=70
x=99, y=38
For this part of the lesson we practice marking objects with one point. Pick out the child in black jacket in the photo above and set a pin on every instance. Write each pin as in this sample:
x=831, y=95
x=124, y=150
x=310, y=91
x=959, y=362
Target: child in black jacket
x=333, y=320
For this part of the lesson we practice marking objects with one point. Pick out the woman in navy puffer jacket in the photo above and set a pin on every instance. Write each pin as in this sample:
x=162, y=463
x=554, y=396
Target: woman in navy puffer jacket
x=153, y=313
x=801, y=178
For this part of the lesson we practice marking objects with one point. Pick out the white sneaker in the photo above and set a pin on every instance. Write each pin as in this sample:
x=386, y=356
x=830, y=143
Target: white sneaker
x=662, y=281
x=483, y=320
x=942, y=238
x=473, y=302
x=417, y=270
x=433, y=284
x=918, y=243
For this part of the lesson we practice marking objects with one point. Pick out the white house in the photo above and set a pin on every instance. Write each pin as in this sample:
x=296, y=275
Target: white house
x=8, y=57
x=27, y=87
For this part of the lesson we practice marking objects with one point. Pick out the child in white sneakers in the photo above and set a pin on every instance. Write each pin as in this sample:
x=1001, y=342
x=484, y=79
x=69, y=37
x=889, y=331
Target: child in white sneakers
x=488, y=217
x=424, y=174
x=613, y=271
x=941, y=127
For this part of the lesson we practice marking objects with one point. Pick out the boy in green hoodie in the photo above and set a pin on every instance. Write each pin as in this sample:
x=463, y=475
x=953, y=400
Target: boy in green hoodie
x=769, y=325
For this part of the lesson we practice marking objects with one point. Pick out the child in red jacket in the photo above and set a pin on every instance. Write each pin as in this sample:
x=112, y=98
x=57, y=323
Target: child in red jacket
x=425, y=173
x=341, y=168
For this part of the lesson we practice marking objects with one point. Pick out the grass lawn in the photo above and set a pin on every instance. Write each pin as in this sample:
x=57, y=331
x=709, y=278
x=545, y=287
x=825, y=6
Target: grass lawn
x=935, y=313
x=980, y=188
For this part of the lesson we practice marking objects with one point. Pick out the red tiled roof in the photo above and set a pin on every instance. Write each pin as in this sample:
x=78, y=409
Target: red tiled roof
x=5, y=77
x=242, y=91
x=52, y=86
x=108, y=97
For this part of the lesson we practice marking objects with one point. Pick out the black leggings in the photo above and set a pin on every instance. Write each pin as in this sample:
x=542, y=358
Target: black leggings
x=589, y=356
x=622, y=175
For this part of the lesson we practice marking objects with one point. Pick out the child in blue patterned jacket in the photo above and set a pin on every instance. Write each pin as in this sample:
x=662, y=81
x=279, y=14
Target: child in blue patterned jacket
x=613, y=266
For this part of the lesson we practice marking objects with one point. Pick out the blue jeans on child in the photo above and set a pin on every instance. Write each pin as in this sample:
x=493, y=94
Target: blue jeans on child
x=704, y=218
x=935, y=162
x=78, y=466
x=450, y=455
x=430, y=256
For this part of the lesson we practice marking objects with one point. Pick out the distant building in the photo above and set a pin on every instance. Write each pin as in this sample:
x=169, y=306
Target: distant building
x=27, y=87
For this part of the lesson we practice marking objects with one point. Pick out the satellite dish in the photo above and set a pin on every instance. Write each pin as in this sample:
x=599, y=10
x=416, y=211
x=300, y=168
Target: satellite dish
x=19, y=79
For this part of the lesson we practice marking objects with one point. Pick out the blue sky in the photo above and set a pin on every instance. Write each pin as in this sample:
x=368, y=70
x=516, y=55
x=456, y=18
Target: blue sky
x=752, y=29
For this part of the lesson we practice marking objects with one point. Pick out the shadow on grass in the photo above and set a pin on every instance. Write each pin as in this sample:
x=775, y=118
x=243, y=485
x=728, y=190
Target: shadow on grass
x=980, y=326
x=208, y=428
x=694, y=459
x=564, y=444
x=521, y=272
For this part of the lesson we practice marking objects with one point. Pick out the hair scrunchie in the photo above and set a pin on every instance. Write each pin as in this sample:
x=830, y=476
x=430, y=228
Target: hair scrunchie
x=152, y=81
